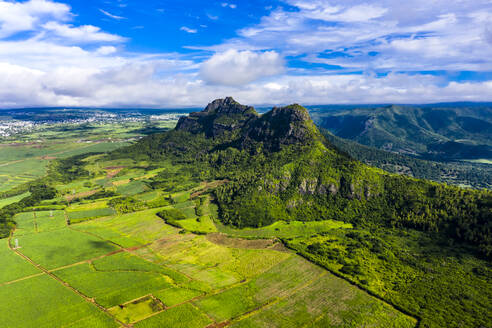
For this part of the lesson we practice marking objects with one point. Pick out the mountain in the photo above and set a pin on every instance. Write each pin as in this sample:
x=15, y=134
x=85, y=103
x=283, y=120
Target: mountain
x=277, y=128
x=280, y=167
x=231, y=174
x=462, y=173
x=436, y=133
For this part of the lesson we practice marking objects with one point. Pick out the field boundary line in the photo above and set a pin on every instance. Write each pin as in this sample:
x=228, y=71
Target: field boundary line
x=35, y=222
x=21, y=279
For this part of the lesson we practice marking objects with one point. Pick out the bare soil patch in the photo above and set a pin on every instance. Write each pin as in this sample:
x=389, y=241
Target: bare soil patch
x=112, y=172
x=81, y=195
x=218, y=325
x=208, y=185
x=225, y=240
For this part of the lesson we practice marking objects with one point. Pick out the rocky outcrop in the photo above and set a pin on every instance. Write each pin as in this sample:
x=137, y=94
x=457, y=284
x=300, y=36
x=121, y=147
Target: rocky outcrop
x=219, y=117
x=280, y=126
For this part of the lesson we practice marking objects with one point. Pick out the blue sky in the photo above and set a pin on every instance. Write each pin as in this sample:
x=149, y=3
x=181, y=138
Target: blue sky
x=163, y=53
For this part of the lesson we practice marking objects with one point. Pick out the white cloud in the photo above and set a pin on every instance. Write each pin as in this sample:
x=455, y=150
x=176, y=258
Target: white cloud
x=63, y=64
x=230, y=5
x=137, y=84
x=377, y=35
x=240, y=67
x=188, y=30
x=324, y=11
x=84, y=33
x=111, y=15
x=106, y=50
x=24, y=16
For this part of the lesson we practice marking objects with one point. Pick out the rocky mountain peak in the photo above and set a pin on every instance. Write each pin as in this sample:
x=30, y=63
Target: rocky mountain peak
x=280, y=126
x=219, y=117
x=228, y=106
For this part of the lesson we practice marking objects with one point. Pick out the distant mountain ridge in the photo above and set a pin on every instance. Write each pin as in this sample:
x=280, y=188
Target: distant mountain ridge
x=438, y=133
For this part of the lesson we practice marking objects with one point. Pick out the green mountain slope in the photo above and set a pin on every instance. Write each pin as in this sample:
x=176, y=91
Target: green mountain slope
x=438, y=133
x=280, y=167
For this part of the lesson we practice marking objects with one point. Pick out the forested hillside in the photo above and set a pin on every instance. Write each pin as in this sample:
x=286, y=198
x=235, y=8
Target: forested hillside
x=434, y=132
x=475, y=175
x=280, y=167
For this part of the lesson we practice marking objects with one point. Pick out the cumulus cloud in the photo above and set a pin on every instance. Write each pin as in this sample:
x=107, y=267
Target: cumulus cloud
x=106, y=50
x=24, y=16
x=133, y=84
x=240, y=67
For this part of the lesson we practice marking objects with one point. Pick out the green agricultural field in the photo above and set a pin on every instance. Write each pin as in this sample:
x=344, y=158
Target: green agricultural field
x=25, y=224
x=87, y=205
x=113, y=287
x=53, y=249
x=142, y=227
x=184, y=316
x=175, y=295
x=14, y=199
x=50, y=220
x=181, y=197
x=137, y=310
x=132, y=188
x=289, y=229
x=125, y=261
x=44, y=302
x=105, y=233
x=13, y=266
x=79, y=216
x=202, y=224
x=148, y=196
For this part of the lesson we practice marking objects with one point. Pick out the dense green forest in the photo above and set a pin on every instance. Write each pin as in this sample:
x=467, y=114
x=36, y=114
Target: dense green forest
x=474, y=175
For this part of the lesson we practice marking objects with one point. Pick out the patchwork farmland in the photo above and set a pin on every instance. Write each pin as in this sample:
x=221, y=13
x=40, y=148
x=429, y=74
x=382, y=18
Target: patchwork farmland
x=112, y=269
